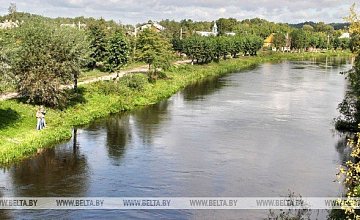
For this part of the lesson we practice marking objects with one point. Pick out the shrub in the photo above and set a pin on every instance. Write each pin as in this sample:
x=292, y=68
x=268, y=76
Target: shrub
x=134, y=81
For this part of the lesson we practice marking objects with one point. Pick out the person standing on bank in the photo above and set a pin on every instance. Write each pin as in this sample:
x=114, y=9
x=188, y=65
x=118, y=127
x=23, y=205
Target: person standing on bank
x=40, y=116
x=43, y=112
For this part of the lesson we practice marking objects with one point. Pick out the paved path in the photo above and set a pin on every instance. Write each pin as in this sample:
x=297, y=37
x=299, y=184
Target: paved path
x=111, y=76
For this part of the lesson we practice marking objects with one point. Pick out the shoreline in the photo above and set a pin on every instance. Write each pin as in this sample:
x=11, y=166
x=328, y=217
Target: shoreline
x=20, y=139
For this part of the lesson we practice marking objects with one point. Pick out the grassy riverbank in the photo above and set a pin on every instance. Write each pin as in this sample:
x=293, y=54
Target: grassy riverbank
x=19, y=138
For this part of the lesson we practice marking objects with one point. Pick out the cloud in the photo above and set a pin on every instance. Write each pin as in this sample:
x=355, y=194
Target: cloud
x=136, y=11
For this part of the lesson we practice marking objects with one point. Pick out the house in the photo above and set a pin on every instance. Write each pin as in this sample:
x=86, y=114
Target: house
x=9, y=24
x=345, y=35
x=269, y=41
x=153, y=25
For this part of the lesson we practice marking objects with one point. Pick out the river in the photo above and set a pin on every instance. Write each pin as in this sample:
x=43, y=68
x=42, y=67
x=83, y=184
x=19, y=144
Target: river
x=259, y=132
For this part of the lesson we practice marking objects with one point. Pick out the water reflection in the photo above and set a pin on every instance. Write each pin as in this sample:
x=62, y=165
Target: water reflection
x=322, y=63
x=118, y=134
x=147, y=121
x=343, y=149
x=54, y=171
x=198, y=90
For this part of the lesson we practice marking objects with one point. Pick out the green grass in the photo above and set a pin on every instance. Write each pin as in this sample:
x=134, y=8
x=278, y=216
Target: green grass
x=19, y=138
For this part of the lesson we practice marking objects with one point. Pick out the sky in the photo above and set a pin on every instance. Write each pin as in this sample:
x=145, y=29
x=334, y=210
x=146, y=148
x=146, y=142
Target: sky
x=138, y=11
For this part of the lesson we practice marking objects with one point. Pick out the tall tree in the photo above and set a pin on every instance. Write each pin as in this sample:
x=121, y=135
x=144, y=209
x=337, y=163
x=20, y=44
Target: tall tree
x=298, y=39
x=154, y=49
x=226, y=25
x=98, y=43
x=12, y=11
x=279, y=40
x=6, y=45
x=117, y=52
x=45, y=59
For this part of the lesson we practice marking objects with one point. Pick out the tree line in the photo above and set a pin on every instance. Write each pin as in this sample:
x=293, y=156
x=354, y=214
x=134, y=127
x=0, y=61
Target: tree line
x=202, y=49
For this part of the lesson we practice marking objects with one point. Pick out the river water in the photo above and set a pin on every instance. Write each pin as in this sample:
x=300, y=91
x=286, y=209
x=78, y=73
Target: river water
x=259, y=132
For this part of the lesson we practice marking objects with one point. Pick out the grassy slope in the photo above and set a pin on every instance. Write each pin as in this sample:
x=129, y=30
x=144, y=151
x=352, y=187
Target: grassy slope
x=18, y=137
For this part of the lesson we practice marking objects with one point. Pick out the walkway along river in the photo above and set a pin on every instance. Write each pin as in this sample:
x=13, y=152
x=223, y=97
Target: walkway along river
x=260, y=132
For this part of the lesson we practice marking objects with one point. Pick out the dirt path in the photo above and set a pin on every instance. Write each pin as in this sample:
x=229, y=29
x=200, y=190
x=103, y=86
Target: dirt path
x=111, y=76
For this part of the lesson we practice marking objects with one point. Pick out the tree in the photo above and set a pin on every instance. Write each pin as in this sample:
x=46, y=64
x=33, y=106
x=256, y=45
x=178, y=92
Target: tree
x=345, y=43
x=350, y=106
x=226, y=25
x=354, y=29
x=236, y=45
x=336, y=43
x=98, y=44
x=298, y=39
x=192, y=47
x=45, y=59
x=117, y=52
x=252, y=44
x=322, y=27
x=154, y=50
x=177, y=45
x=222, y=47
x=279, y=40
x=307, y=27
x=12, y=11
x=6, y=44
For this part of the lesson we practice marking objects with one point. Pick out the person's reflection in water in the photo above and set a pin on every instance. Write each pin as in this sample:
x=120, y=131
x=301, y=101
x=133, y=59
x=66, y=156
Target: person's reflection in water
x=60, y=171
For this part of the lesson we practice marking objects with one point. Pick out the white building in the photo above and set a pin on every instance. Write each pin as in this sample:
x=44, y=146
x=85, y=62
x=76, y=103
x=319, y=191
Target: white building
x=345, y=35
x=214, y=32
x=154, y=25
x=9, y=24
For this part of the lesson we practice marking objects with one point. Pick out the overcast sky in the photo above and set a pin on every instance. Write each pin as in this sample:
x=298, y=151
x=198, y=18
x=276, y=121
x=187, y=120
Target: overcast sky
x=137, y=11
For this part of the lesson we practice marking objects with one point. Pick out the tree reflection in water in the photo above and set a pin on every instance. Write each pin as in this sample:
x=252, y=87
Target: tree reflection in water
x=148, y=120
x=59, y=171
x=343, y=149
x=118, y=134
x=198, y=90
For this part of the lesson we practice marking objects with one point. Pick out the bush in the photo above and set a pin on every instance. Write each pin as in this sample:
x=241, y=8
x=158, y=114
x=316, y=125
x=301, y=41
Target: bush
x=109, y=88
x=134, y=81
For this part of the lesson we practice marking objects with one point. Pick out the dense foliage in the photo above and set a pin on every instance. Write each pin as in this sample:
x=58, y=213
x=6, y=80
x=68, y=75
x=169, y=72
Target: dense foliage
x=117, y=52
x=155, y=50
x=44, y=58
x=207, y=49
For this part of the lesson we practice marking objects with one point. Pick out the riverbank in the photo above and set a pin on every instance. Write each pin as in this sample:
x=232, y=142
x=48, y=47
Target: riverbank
x=19, y=138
